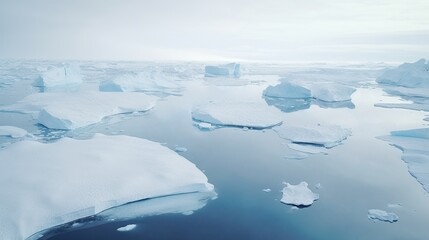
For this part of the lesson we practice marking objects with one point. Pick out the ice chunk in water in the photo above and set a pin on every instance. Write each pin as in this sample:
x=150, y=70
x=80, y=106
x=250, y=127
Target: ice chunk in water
x=44, y=197
x=65, y=77
x=381, y=215
x=298, y=195
x=13, y=132
x=408, y=75
x=74, y=110
x=230, y=70
x=251, y=115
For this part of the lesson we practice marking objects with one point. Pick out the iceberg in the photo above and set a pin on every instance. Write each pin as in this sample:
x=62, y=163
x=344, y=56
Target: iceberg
x=381, y=215
x=227, y=70
x=298, y=195
x=332, y=92
x=149, y=82
x=250, y=115
x=12, y=132
x=414, y=145
x=411, y=75
x=326, y=136
x=69, y=111
x=287, y=90
x=65, y=77
x=72, y=179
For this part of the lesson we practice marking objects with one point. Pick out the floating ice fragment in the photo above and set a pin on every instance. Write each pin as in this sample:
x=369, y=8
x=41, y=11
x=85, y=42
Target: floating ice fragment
x=381, y=215
x=229, y=70
x=250, y=115
x=408, y=75
x=132, y=169
x=74, y=110
x=298, y=195
x=66, y=77
x=12, y=132
x=127, y=228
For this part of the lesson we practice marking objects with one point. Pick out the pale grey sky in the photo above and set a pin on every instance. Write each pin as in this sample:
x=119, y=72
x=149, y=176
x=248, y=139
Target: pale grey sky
x=252, y=30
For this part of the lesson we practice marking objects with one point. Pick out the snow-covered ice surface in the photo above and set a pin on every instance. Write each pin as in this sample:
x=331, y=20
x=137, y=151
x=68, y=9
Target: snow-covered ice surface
x=72, y=179
x=298, y=195
x=78, y=109
x=229, y=70
x=251, y=115
x=66, y=77
x=381, y=215
x=13, y=132
x=415, y=152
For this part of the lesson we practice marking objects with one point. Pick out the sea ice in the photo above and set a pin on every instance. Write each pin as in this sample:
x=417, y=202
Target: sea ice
x=377, y=214
x=251, y=115
x=74, y=110
x=287, y=90
x=298, y=195
x=71, y=179
x=127, y=228
x=148, y=82
x=410, y=75
x=12, y=132
x=65, y=77
x=229, y=70
x=327, y=136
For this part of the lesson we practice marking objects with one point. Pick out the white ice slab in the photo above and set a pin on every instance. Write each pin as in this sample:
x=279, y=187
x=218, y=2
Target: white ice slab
x=298, y=195
x=287, y=90
x=407, y=75
x=12, y=132
x=45, y=185
x=74, y=110
x=65, y=77
x=149, y=82
x=331, y=92
x=381, y=215
x=251, y=115
x=323, y=135
x=229, y=70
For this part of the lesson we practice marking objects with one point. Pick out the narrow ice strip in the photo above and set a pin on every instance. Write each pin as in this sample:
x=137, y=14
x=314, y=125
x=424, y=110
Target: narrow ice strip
x=381, y=215
x=327, y=136
x=12, y=132
x=298, y=195
x=44, y=196
x=412, y=75
x=66, y=77
x=251, y=115
x=69, y=111
x=127, y=228
x=226, y=70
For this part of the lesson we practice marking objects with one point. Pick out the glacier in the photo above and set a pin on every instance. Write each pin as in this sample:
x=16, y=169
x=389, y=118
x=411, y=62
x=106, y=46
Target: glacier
x=226, y=70
x=381, y=215
x=73, y=110
x=237, y=114
x=414, y=145
x=66, y=77
x=62, y=181
x=298, y=195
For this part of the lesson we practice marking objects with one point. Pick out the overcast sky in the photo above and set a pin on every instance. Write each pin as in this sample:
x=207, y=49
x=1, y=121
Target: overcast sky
x=215, y=30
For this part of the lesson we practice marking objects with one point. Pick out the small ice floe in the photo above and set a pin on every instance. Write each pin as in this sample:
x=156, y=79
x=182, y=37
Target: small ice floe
x=266, y=190
x=12, y=132
x=69, y=111
x=381, y=215
x=132, y=169
x=326, y=136
x=180, y=149
x=298, y=195
x=415, y=152
x=409, y=75
x=66, y=77
x=227, y=70
x=127, y=228
x=250, y=115
x=150, y=82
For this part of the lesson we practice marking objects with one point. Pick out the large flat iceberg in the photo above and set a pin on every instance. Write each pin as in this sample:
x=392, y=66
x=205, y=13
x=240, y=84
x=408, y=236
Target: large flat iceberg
x=415, y=147
x=407, y=75
x=46, y=185
x=251, y=115
x=78, y=109
x=298, y=195
x=226, y=70
x=64, y=77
